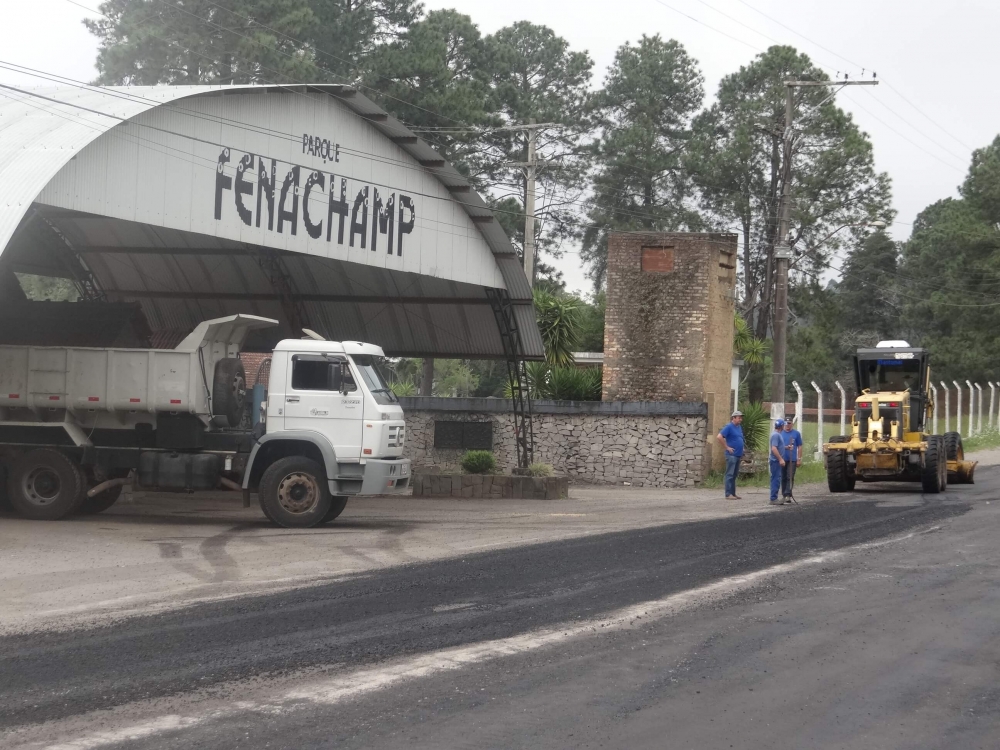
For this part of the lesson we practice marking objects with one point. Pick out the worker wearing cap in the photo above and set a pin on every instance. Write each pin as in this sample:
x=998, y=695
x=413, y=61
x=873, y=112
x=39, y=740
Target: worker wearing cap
x=731, y=438
x=776, y=462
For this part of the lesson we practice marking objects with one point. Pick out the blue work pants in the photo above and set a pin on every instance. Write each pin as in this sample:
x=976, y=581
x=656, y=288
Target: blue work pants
x=732, y=469
x=777, y=470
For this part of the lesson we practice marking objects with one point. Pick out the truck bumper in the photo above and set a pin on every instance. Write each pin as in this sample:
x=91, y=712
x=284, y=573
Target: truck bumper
x=385, y=476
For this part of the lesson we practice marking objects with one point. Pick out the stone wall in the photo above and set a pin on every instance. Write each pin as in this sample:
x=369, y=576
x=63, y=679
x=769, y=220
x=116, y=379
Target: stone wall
x=668, y=331
x=645, y=444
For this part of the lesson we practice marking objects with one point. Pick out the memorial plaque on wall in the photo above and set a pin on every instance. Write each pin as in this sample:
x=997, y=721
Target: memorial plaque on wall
x=469, y=436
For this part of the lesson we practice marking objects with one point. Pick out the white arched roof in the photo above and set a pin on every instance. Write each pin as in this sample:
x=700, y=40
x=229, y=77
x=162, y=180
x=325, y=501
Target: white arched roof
x=125, y=178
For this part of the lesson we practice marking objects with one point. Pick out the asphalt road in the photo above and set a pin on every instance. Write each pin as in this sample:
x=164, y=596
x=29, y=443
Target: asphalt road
x=857, y=621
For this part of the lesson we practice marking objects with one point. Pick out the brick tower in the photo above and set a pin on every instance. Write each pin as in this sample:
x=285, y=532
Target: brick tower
x=668, y=331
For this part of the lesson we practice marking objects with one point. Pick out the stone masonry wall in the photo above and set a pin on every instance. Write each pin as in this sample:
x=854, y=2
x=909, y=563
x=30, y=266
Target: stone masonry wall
x=669, y=323
x=606, y=444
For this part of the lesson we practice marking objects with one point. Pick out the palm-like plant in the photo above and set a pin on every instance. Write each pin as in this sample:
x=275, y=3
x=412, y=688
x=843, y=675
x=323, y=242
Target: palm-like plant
x=559, y=323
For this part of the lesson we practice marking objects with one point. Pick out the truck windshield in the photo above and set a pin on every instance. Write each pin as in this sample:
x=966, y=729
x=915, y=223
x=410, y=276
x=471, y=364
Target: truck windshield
x=893, y=375
x=368, y=367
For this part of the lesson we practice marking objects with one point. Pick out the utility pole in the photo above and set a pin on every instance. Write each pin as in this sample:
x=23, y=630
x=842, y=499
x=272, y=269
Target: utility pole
x=531, y=168
x=531, y=172
x=783, y=250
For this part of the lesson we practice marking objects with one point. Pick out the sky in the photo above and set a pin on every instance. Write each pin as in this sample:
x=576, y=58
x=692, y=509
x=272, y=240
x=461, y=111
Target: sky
x=935, y=60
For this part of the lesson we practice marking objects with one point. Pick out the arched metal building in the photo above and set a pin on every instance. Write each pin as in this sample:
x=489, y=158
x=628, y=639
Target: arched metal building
x=170, y=205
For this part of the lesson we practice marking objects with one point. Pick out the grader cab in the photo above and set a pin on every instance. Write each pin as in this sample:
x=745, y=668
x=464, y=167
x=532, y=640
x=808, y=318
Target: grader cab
x=889, y=441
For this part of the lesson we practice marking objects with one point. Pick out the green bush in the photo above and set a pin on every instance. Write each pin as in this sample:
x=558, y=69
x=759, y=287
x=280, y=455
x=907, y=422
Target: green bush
x=403, y=388
x=573, y=384
x=540, y=470
x=756, y=426
x=479, y=462
x=562, y=383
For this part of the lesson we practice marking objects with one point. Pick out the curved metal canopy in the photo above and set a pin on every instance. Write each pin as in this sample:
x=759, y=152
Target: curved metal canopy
x=58, y=147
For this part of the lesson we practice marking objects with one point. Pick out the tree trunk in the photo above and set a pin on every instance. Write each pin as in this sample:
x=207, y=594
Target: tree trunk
x=427, y=378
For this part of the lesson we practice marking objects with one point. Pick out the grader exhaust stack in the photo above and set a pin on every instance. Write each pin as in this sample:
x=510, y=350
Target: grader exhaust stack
x=889, y=440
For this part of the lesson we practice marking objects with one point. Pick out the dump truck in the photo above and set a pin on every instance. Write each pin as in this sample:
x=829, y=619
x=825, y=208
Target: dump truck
x=78, y=424
x=889, y=441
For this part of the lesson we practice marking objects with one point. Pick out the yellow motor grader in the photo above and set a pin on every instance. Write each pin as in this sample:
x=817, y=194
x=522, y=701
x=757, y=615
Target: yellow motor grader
x=889, y=441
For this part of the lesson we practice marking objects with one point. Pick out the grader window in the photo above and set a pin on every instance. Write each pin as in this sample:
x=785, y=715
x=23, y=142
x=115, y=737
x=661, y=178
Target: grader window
x=894, y=375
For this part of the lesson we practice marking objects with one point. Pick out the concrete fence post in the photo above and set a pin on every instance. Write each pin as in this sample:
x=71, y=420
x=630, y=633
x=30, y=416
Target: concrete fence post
x=972, y=408
x=993, y=398
x=798, y=405
x=979, y=409
x=947, y=407
x=936, y=411
x=958, y=401
x=843, y=406
x=818, y=455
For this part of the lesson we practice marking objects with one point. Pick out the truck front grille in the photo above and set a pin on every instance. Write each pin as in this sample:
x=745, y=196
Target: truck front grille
x=396, y=436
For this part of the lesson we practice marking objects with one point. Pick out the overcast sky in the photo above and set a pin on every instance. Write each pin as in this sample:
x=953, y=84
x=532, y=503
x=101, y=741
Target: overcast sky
x=936, y=60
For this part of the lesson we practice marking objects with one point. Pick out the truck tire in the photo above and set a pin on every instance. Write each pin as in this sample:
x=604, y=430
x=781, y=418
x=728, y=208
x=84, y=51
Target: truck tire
x=934, y=461
x=99, y=503
x=5, y=506
x=840, y=439
x=45, y=485
x=838, y=475
x=953, y=446
x=294, y=492
x=337, y=506
x=229, y=390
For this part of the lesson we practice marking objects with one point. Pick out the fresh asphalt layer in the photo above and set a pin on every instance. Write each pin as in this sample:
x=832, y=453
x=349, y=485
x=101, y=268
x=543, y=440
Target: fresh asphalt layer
x=67, y=686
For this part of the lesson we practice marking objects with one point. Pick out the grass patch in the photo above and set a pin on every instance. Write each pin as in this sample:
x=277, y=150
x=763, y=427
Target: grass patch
x=810, y=472
x=981, y=442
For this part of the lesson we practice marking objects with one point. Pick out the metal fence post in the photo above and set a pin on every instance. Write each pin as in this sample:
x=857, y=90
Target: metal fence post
x=993, y=397
x=972, y=407
x=979, y=409
x=819, y=422
x=947, y=407
x=934, y=413
x=958, y=414
x=843, y=406
x=798, y=405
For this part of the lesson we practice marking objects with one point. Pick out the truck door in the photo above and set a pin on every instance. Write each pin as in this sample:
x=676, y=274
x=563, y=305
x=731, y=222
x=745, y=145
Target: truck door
x=314, y=401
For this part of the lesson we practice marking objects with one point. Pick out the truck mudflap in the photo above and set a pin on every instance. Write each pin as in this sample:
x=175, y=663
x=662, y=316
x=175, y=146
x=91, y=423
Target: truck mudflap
x=385, y=476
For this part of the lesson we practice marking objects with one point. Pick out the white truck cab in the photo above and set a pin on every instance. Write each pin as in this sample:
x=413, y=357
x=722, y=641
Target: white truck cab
x=77, y=424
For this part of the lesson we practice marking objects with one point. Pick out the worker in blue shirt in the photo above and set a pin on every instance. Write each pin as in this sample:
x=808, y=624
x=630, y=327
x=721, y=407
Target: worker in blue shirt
x=776, y=459
x=731, y=439
x=793, y=459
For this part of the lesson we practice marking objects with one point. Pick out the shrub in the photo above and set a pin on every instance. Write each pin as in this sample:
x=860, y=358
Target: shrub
x=540, y=470
x=479, y=462
x=756, y=426
x=403, y=388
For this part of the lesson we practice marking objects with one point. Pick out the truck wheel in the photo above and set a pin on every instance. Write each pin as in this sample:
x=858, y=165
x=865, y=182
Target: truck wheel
x=295, y=493
x=337, y=506
x=930, y=475
x=840, y=439
x=953, y=446
x=5, y=505
x=229, y=390
x=101, y=502
x=45, y=485
x=838, y=476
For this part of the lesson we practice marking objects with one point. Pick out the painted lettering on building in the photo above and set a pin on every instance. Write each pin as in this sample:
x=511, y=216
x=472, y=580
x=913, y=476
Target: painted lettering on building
x=286, y=197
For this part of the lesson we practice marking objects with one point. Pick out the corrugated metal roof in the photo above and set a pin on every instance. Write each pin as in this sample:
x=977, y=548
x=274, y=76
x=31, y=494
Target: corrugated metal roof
x=41, y=133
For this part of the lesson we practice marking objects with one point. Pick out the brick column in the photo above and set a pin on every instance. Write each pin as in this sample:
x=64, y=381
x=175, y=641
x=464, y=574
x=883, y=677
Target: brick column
x=668, y=331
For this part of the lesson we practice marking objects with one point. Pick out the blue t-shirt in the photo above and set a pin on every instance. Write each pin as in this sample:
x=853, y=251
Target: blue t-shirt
x=793, y=439
x=777, y=441
x=733, y=435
